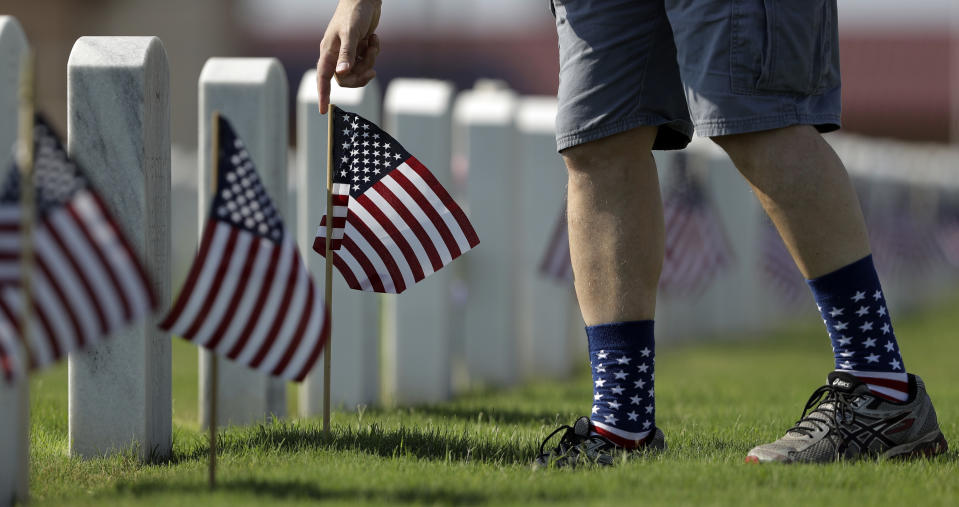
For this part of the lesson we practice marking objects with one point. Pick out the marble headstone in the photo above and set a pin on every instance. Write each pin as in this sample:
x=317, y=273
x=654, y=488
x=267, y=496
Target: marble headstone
x=420, y=324
x=252, y=94
x=355, y=347
x=14, y=400
x=542, y=302
x=484, y=137
x=119, y=132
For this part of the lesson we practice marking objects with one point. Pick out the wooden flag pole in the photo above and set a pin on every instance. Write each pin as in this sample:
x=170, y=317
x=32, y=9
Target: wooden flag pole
x=329, y=271
x=214, y=172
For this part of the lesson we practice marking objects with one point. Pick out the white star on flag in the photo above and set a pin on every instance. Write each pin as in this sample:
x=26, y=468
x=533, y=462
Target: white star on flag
x=632, y=415
x=623, y=360
x=643, y=368
x=867, y=326
x=859, y=296
x=620, y=374
x=869, y=342
x=862, y=310
x=835, y=312
x=645, y=352
x=872, y=358
x=602, y=354
x=840, y=326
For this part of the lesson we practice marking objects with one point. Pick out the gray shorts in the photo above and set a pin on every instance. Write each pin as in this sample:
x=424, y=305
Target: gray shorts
x=723, y=66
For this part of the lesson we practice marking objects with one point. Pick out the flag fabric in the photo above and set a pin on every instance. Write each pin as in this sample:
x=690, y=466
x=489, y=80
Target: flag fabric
x=697, y=248
x=947, y=232
x=248, y=296
x=778, y=268
x=556, y=263
x=86, y=282
x=400, y=225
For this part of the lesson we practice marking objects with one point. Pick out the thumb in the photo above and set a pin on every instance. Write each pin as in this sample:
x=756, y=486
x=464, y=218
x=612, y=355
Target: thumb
x=347, y=57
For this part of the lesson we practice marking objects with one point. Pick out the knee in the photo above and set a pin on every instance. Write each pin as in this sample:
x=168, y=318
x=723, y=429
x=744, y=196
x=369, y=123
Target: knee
x=756, y=151
x=610, y=157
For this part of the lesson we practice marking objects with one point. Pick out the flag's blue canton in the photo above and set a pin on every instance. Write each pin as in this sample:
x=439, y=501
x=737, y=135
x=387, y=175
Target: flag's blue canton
x=56, y=178
x=362, y=153
x=854, y=310
x=622, y=359
x=240, y=198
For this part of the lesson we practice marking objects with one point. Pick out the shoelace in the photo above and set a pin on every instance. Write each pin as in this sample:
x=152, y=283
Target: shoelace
x=841, y=409
x=568, y=428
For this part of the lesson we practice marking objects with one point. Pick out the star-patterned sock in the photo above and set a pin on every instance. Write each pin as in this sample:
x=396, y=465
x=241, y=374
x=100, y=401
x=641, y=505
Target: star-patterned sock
x=621, y=356
x=854, y=310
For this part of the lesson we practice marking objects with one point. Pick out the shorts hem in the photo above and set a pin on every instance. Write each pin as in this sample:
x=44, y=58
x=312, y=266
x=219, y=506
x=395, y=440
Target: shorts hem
x=682, y=128
x=822, y=122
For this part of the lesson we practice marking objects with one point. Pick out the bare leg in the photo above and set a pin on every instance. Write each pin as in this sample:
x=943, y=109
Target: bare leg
x=804, y=188
x=615, y=226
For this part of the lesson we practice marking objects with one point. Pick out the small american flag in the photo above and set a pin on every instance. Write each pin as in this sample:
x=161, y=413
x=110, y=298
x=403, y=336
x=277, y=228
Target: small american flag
x=86, y=281
x=696, y=246
x=778, y=268
x=556, y=263
x=393, y=223
x=947, y=231
x=248, y=296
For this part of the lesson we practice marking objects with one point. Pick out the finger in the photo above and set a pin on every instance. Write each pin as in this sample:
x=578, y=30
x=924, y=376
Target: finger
x=368, y=59
x=325, y=71
x=354, y=80
x=347, y=56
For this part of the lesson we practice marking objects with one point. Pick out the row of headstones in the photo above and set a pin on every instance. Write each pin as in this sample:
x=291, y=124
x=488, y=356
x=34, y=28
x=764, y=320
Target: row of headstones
x=490, y=319
x=119, y=131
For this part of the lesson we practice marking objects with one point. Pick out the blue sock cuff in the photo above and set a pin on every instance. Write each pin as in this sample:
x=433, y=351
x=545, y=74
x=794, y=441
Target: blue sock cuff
x=838, y=280
x=619, y=335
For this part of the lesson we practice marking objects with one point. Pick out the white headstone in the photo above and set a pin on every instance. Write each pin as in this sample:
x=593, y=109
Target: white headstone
x=484, y=137
x=252, y=94
x=15, y=414
x=355, y=347
x=543, y=303
x=119, y=131
x=419, y=329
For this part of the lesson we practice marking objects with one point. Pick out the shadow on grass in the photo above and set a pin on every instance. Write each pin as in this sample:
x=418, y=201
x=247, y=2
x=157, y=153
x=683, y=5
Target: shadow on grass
x=506, y=416
x=280, y=489
x=431, y=443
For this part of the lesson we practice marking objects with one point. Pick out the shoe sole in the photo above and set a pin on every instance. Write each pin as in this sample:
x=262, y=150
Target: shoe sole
x=929, y=446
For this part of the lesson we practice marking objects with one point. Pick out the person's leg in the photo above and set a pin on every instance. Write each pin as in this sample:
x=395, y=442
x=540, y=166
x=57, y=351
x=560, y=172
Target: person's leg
x=615, y=218
x=619, y=97
x=804, y=188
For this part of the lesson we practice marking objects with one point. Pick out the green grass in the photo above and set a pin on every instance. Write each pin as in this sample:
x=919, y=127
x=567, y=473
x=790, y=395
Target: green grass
x=715, y=401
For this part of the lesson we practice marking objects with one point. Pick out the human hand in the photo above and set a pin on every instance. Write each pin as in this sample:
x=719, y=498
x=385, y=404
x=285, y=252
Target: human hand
x=349, y=48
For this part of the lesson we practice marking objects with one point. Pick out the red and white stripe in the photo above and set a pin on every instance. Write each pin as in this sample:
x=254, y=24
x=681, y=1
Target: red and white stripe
x=401, y=230
x=86, y=282
x=556, y=262
x=625, y=439
x=251, y=300
x=696, y=248
x=890, y=385
x=341, y=199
